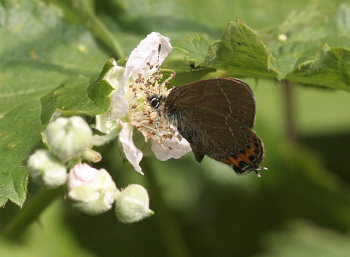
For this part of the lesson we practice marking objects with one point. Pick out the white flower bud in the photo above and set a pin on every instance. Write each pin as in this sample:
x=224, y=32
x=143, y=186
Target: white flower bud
x=92, y=191
x=68, y=137
x=47, y=169
x=132, y=204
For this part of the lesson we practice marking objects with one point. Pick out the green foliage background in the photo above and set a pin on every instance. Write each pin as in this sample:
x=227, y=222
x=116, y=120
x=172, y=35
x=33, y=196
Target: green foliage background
x=51, y=53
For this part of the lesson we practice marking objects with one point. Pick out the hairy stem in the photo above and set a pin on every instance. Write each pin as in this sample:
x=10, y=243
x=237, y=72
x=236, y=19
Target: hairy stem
x=31, y=211
x=170, y=229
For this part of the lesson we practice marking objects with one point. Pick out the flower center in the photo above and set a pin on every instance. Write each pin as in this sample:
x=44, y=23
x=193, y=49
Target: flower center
x=144, y=97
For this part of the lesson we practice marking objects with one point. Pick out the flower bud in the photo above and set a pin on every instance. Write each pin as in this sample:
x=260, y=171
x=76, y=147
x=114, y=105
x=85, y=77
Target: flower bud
x=92, y=191
x=91, y=155
x=132, y=204
x=47, y=169
x=68, y=137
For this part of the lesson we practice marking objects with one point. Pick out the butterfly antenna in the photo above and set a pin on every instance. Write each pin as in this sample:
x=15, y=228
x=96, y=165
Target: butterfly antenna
x=158, y=64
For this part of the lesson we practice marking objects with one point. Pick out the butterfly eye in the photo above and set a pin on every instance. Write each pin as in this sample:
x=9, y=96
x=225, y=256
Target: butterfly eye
x=155, y=101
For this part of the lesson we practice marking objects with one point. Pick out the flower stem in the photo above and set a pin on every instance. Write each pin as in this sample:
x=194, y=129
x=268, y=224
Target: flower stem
x=30, y=212
x=170, y=229
x=290, y=119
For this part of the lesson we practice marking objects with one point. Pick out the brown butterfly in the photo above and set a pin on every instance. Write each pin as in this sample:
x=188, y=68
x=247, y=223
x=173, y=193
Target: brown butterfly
x=216, y=116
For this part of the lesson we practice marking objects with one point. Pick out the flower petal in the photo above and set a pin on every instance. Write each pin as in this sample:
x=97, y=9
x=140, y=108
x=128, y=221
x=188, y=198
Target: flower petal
x=114, y=75
x=105, y=123
x=120, y=105
x=171, y=148
x=80, y=174
x=132, y=153
x=147, y=52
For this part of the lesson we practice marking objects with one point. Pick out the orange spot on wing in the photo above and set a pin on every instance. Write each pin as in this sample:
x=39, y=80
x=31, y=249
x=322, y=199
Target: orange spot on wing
x=234, y=161
x=243, y=157
x=231, y=161
x=248, y=157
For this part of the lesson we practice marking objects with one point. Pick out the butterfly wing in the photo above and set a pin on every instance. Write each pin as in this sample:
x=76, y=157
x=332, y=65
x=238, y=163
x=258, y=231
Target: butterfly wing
x=216, y=117
x=222, y=96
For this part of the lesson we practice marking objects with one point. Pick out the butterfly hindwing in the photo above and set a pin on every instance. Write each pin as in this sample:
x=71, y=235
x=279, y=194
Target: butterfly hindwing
x=236, y=145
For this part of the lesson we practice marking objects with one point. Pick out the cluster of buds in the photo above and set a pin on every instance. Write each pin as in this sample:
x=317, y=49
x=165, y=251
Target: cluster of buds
x=69, y=142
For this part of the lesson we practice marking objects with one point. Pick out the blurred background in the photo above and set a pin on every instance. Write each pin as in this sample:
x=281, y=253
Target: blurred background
x=299, y=207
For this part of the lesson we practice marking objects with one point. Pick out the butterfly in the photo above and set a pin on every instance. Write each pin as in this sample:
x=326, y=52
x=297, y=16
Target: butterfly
x=216, y=117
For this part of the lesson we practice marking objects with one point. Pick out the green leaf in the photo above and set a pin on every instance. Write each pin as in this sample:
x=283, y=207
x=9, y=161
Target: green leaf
x=291, y=51
x=241, y=52
x=19, y=134
x=311, y=46
x=99, y=92
x=315, y=24
x=71, y=98
x=195, y=48
x=198, y=16
x=331, y=68
x=39, y=50
x=82, y=11
x=187, y=59
x=190, y=18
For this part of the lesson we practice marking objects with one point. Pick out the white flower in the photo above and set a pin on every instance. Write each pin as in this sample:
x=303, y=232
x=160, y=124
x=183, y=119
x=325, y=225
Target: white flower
x=131, y=109
x=68, y=137
x=92, y=191
x=132, y=204
x=47, y=169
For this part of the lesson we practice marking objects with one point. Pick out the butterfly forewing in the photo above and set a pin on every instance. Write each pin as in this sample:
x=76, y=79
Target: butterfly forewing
x=223, y=97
